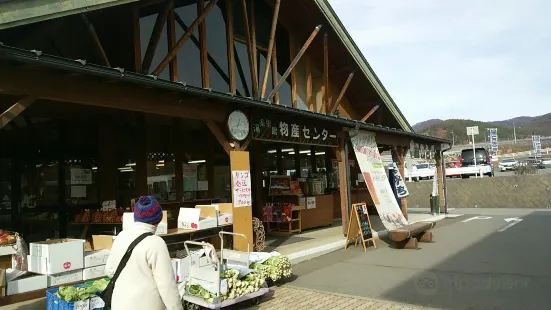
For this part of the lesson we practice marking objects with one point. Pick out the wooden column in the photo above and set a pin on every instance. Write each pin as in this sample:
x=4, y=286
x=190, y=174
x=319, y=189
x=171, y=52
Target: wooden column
x=440, y=181
x=342, y=156
x=242, y=216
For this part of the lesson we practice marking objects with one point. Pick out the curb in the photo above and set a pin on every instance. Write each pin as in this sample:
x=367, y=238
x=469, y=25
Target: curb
x=311, y=253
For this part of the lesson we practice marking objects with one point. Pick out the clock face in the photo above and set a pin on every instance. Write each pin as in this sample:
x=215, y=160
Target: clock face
x=238, y=125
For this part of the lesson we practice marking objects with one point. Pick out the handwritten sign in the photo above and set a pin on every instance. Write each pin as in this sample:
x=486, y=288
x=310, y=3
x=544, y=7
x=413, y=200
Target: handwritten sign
x=81, y=176
x=242, y=196
x=376, y=180
x=310, y=202
x=359, y=226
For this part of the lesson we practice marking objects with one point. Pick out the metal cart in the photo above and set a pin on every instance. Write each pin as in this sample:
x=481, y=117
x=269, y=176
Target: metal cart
x=209, y=271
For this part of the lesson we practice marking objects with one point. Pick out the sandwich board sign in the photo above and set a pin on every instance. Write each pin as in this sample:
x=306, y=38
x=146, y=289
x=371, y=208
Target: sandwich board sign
x=359, y=226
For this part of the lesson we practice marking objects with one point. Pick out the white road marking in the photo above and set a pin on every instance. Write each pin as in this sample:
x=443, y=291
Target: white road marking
x=512, y=222
x=477, y=218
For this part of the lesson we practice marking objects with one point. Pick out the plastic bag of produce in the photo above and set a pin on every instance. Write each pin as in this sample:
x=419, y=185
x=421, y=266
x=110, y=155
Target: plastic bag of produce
x=19, y=259
x=261, y=257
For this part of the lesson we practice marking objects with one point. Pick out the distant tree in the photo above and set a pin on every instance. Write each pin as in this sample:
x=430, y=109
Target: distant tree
x=441, y=133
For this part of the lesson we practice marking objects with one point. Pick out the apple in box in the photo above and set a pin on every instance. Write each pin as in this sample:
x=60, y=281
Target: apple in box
x=195, y=219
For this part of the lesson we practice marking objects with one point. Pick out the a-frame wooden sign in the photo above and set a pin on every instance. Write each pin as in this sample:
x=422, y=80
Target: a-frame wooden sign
x=359, y=226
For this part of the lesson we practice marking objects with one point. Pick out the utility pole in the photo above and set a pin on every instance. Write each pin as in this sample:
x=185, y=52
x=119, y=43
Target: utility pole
x=515, y=133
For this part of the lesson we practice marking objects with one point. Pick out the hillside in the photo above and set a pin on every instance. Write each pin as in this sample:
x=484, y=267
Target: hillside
x=525, y=126
x=422, y=125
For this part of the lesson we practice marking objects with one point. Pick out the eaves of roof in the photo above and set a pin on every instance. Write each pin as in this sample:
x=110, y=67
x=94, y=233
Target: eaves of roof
x=17, y=13
x=34, y=57
x=353, y=49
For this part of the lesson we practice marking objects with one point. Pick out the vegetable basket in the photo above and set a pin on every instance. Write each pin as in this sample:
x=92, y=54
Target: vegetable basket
x=55, y=303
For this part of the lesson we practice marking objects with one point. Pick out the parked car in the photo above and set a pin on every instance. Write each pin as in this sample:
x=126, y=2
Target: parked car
x=480, y=156
x=536, y=161
x=453, y=164
x=425, y=171
x=508, y=164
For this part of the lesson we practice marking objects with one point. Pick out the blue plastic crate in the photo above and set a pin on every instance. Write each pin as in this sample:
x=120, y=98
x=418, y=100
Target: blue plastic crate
x=55, y=303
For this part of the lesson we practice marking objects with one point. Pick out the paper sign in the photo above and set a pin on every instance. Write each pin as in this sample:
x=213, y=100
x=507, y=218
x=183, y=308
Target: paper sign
x=81, y=176
x=82, y=305
x=96, y=303
x=78, y=191
x=190, y=177
x=242, y=188
x=203, y=185
x=311, y=203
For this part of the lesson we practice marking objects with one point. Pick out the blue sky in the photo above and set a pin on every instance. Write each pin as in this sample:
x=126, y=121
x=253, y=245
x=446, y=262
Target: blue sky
x=472, y=59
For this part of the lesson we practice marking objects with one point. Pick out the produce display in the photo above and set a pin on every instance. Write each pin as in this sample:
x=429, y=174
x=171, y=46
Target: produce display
x=111, y=216
x=251, y=283
x=72, y=293
x=7, y=237
x=99, y=285
x=274, y=268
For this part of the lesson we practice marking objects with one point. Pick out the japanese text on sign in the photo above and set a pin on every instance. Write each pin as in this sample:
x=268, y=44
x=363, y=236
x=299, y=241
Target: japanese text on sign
x=242, y=196
x=293, y=131
x=81, y=176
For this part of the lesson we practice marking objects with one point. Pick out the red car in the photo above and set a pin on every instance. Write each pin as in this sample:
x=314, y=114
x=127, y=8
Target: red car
x=453, y=164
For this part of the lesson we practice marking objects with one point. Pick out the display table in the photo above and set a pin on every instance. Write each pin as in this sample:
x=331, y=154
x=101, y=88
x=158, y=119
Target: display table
x=293, y=226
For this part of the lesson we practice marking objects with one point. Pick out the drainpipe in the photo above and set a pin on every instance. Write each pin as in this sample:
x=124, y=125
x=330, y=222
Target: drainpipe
x=444, y=183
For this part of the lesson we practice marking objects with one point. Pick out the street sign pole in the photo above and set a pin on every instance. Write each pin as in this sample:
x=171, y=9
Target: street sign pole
x=472, y=131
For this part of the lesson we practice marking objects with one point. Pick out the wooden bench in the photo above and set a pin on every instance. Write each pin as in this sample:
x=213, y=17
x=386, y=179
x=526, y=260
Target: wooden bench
x=407, y=237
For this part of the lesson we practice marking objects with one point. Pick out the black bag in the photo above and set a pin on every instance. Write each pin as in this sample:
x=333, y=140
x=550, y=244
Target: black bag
x=107, y=293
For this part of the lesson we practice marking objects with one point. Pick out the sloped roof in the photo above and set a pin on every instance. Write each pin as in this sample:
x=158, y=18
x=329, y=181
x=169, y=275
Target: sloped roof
x=360, y=60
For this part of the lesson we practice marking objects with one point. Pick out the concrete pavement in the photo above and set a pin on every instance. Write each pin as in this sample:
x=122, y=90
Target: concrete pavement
x=470, y=266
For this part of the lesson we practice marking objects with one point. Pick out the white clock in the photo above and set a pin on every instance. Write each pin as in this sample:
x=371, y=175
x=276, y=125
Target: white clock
x=238, y=125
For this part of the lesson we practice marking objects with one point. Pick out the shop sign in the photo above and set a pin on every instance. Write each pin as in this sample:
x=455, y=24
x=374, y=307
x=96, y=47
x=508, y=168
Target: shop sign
x=242, y=194
x=399, y=184
x=271, y=128
x=373, y=170
x=310, y=202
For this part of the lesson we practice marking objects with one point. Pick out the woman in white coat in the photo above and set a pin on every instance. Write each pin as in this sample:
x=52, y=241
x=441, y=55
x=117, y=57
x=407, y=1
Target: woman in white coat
x=147, y=282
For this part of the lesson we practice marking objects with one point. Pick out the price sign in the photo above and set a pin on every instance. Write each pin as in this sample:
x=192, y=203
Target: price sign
x=311, y=203
x=242, y=195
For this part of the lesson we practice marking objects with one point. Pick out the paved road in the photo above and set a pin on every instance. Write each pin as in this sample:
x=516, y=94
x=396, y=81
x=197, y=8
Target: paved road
x=470, y=266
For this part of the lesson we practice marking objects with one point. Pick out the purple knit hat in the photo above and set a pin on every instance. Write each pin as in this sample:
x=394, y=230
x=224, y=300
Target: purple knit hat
x=148, y=210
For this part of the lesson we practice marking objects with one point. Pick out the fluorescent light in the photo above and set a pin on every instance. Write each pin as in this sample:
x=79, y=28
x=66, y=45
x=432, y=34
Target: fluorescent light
x=197, y=161
x=127, y=170
x=272, y=151
x=291, y=153
x=94, y=168
x=160, y=165
x=162, y=161
x=320, y=153
x=287, y=150
x=124, y=168
x=305, y=152
x=130, y=164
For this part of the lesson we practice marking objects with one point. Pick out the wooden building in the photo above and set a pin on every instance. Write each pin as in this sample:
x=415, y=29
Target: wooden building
x=134, y=97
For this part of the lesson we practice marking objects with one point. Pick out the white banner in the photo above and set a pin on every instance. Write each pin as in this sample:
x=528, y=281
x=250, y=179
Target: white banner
x=373, y=170
x=401, y=188
x=242, y=188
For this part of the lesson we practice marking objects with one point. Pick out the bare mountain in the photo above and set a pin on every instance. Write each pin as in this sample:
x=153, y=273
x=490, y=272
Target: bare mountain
x=456, y=128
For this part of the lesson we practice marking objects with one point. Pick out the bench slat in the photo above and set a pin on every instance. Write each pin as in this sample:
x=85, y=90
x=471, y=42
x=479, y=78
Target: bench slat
x=411, y=230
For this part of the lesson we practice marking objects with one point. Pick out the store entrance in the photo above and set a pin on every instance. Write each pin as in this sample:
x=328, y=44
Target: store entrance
x=300, y=201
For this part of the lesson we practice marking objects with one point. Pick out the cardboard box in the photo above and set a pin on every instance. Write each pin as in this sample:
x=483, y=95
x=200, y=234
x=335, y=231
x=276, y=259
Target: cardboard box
x=181, y=268
x=56, y=256
x=197, y=218
x=225, y=214
x=95, y=258
x=22, y=281
x=162, y=228
x=93, y=273
x=65, y=278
